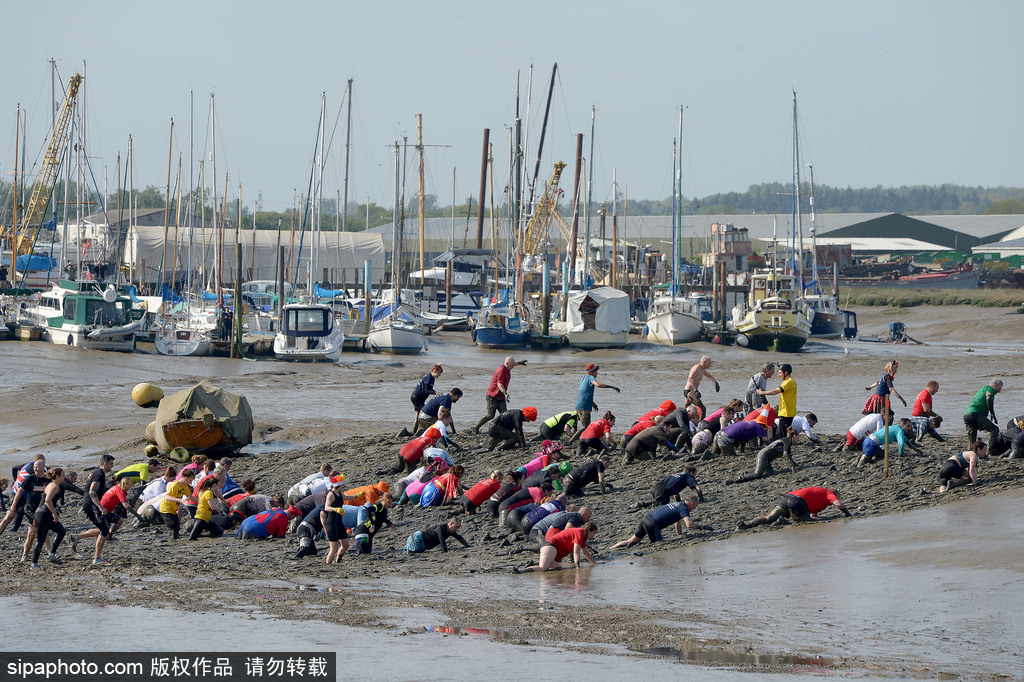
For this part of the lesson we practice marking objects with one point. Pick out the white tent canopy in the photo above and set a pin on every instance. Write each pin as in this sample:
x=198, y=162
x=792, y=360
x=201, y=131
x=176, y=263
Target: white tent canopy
x=602, y=308
x=342, y=254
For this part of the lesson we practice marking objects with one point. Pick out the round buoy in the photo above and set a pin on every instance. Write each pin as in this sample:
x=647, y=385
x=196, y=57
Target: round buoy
x=147, y=395
x=717, y=339
x=179, y=455
x=151, y=450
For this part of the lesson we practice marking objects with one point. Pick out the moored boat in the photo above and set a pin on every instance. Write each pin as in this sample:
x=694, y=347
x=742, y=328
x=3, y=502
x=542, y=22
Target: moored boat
x=308, y=331
x=598, y=318
x=770, y=319
x=83, y=315
x=672, y=320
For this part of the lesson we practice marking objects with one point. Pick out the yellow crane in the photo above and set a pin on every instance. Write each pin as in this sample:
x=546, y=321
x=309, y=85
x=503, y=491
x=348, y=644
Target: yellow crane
x=43, y=185
x=536, y=232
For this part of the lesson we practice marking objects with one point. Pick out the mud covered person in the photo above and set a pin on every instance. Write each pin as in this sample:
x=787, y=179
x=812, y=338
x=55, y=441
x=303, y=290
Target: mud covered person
x=507, y=428
x=671, y=514
x=423, y=390
x=497, y=391
x=799, y=505
x=585, y=399
x=560, y=544
x=435, y=536
x=962, y=468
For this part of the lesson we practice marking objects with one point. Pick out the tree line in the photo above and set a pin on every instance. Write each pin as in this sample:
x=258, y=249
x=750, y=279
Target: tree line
x=765, y=198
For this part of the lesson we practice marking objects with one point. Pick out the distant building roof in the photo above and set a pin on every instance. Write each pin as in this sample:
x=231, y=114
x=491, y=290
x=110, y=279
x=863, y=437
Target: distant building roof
x=1005, y=248
x=893, y=227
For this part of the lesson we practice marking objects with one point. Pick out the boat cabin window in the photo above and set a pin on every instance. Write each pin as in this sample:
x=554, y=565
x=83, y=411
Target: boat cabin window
x=70, y=307
x=308, y=321
x=101, y=312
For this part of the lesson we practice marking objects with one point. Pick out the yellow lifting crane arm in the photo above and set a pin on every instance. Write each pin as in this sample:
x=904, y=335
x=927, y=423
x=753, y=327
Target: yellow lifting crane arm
x=536, y=232
x=48, y=169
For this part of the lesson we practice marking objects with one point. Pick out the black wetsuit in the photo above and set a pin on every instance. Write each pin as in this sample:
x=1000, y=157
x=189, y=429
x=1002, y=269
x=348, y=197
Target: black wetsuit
x=581, y=476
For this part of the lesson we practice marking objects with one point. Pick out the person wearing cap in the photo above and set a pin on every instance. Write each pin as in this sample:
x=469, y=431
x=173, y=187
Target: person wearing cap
x=508, y=427
x=366, y=493
x=332, y=522
x=585, y=400
x=787, y=397
x=497, y=391
x=758, y=382
x=799, y=505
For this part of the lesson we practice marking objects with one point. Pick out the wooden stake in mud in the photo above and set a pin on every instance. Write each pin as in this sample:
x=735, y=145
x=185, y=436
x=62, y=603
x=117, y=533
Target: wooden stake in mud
x=886, y=421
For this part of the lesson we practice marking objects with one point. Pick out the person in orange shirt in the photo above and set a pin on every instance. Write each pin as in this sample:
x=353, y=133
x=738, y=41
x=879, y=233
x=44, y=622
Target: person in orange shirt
x=367, y=493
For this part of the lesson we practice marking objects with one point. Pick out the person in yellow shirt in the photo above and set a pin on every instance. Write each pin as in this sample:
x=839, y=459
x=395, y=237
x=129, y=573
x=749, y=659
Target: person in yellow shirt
x=204, y=512
x=178, y=493
x=787, y=397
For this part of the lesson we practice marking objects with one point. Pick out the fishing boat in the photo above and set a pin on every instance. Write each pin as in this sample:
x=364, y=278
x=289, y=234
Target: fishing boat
x=771, y=318
x=84, y=315
x=308, y=332
x=598, y=318
x=498, y=328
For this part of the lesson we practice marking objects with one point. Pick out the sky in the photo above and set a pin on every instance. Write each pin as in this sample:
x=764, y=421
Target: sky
x=890, y=93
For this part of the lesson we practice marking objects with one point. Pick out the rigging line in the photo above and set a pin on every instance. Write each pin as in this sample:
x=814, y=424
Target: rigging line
x=334, y=129
x=302, y=228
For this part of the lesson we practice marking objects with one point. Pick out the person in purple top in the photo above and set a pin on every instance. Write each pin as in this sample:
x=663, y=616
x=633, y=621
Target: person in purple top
x=738, y=434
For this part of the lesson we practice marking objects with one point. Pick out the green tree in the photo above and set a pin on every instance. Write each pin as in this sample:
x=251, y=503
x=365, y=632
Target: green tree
x=1005, y=207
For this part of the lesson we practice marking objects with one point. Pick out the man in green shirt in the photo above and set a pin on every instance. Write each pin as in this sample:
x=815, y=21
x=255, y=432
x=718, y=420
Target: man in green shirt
x=976, y=416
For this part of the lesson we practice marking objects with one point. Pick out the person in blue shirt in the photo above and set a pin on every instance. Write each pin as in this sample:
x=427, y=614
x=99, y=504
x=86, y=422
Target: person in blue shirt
x=673, y=513
x=424, y=389
x=901, y=434
x=585, y=401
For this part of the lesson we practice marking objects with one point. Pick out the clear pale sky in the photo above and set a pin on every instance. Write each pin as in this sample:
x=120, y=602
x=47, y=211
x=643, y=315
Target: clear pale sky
x=890, y=93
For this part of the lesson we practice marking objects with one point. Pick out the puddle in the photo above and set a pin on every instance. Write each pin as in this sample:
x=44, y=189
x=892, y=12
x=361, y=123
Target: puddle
x=479, y=633
x=726, y=657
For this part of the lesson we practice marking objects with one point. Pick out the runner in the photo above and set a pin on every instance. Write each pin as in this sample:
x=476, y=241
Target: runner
x=424, y=390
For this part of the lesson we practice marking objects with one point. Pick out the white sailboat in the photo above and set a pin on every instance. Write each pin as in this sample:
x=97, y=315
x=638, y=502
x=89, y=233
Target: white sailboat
x=673, y=320
x=390, y=333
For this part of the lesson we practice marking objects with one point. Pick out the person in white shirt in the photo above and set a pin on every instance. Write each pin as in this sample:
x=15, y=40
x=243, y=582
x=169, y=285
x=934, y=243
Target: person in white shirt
x=859, y=431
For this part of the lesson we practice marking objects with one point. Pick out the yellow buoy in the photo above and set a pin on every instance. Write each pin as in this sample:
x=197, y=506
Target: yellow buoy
x=147, y=395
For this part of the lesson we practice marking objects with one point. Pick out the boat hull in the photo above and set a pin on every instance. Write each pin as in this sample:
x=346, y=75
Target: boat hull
x=396, y=339
x=309, y=348
x=671, y=328
x=827, y=325
x=593, y=339
x=187, y=342
x=955, y=280
x=773, y=330
x=500, y=338
x=78, y=337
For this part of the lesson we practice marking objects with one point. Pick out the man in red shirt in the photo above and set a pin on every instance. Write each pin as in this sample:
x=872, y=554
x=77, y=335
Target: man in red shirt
x=559, y=544
x=497, y=391
x=923, y=404
x=799, y=505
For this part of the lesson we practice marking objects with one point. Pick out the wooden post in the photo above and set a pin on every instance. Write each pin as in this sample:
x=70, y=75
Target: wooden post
x=236, y=331
x=545, y=300
x=367, y=288
x=722, y=278
x=448, y=287
x=483, y=190
x=885, y=420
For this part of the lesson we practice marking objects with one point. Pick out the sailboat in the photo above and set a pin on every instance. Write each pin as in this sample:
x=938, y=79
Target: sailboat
x=672, y=320
x=828, y=321
x=771, y=318
x=390, y=332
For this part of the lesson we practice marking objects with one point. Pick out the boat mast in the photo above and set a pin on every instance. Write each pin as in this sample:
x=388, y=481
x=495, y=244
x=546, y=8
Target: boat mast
x=672, y=286
x=318, y=205
x=589, y=170
x=422, y=200
x=396, y=254
x=348, y=140
x=814, y=234
x=797, y=216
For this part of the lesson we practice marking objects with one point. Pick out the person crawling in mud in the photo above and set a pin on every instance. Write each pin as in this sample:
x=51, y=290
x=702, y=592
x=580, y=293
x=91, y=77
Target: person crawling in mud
x=560, y=544
x=799, y=505
x=651, y=525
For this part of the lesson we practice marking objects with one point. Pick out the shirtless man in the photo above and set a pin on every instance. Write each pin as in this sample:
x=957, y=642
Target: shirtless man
x=697, y=374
